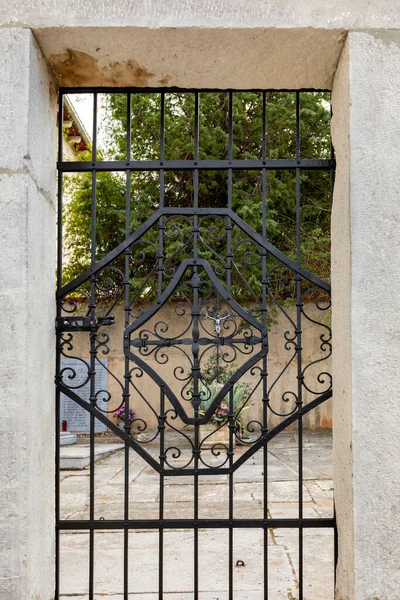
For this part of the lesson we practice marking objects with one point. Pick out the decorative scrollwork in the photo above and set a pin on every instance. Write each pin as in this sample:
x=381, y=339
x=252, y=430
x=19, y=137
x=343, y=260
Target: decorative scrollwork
x=69, y=374
x=220, y=290
x=102, y=340
x=322, y=303
x=76, y=301
x=173, y=452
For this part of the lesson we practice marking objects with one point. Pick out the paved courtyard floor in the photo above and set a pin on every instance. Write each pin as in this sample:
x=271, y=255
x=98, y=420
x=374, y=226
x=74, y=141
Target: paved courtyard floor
x=283, y=544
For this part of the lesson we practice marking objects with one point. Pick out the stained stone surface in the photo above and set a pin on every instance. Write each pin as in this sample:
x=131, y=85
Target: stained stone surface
x=248, y=546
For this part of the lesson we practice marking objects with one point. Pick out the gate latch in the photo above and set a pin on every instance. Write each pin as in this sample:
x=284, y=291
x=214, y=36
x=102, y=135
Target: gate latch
x=81, y=323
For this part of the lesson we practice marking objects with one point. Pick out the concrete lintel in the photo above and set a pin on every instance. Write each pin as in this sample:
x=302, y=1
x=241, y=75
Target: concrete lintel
x=192, y=57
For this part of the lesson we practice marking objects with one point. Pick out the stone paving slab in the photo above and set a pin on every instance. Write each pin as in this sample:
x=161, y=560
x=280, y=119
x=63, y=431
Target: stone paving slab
x=78, y=456
x=215, y=595
x=178, y=545
x=277, y=471
x=81, y=473
x=317, y=559
x=135, y=469
x=278, y=491
x=178, y=564
x=316, y=461
x=320, y=489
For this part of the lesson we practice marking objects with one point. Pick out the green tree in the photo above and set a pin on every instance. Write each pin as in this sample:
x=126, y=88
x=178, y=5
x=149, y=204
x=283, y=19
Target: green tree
x=213, y=185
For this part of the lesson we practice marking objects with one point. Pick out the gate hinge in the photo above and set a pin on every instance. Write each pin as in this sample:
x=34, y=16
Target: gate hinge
x=81, y=323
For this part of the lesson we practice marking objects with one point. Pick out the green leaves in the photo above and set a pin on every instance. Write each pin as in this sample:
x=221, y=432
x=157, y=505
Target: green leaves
x=213, y=185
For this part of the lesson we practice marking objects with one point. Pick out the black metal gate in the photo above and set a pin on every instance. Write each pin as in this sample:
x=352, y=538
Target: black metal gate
x=223, y=282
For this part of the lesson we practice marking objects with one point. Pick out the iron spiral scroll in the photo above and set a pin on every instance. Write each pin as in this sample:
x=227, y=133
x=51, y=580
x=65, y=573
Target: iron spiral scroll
x=218, y=285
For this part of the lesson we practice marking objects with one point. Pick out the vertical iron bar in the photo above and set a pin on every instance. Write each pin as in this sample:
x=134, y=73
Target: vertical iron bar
x=162, y=189
x=196, y=154
x=92, y=313
x=231, y=424
x=126, y=394
x=59, y=190
x=335, y=531
x=196, y=367
x=265, y=333
x=332, y=170
x=58, y=341
x=231, y=421
x=162, y=398
x=335, y=547
x=299, y=401
x=161, y=427
x=128, y=126
x=230, y=148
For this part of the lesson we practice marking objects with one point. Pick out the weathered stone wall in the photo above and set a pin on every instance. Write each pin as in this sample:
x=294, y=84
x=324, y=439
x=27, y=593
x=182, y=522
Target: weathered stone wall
x=27, y=267
x=366, y=243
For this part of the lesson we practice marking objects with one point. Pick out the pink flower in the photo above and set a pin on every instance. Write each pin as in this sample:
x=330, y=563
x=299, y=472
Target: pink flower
x=222, y=409
x=120, y=413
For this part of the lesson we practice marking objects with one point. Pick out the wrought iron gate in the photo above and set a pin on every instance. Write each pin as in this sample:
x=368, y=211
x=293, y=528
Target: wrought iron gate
x=223, y=283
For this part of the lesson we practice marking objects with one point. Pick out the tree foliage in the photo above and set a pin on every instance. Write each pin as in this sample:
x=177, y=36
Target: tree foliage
x=213, y=185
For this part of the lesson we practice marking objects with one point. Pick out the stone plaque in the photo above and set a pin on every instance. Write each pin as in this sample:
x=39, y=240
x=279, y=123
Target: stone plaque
x=78, y=419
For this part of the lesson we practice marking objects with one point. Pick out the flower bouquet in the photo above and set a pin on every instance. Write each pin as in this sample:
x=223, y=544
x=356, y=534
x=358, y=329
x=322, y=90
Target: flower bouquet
x=120, y=415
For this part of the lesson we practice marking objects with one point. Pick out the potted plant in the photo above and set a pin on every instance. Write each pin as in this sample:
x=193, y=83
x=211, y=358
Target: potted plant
x=217, y=430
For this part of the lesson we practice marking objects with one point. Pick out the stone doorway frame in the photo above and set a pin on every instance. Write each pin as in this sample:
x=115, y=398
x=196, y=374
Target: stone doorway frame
x=363, y=70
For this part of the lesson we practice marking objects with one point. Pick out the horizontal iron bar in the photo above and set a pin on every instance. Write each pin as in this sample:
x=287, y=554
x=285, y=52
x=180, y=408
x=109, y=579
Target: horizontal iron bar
x=190, y=472
x=68, y=525
x=173, y=90
x=190, y=165
x=203, y=341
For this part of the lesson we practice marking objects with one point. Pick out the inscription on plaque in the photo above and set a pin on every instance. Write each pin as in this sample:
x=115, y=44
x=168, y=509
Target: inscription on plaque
x=78, y=419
